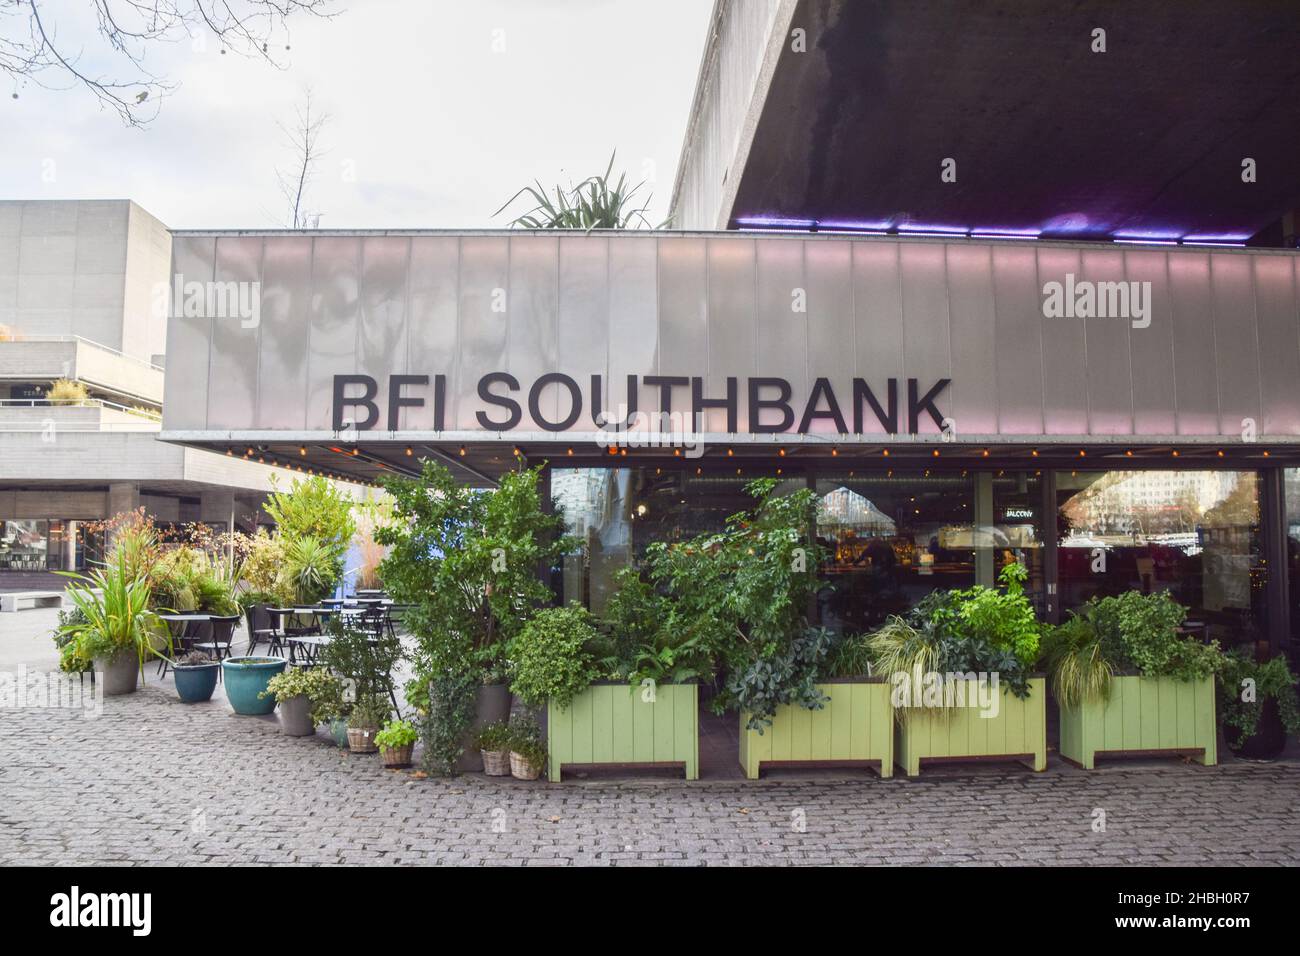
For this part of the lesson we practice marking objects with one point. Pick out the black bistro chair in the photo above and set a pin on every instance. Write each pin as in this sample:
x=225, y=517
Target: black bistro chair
x=262, y=629
x=221, y=636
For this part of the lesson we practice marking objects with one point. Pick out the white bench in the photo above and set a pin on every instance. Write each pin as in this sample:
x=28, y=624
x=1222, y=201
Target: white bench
x=29, y=600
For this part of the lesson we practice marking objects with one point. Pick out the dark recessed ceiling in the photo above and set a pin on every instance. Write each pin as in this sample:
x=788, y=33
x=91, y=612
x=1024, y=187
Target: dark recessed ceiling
x=1146, y=139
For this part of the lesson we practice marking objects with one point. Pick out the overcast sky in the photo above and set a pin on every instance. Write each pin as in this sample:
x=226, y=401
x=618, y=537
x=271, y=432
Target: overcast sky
x=438, y=128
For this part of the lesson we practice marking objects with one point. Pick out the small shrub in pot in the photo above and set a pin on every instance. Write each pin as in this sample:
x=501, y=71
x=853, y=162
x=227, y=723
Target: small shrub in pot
x=368, y=715
x=527, y=752
x=396, y=743
x=494, y=744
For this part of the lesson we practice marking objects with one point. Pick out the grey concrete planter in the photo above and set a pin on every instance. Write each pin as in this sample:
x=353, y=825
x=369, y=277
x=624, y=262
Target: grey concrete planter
x=295, y=716
x=119, y=673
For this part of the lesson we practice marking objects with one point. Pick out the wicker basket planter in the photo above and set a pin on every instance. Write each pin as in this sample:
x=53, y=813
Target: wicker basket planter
x=521, y=769
x=396, y=756
x=361, y=740
x=496, y=763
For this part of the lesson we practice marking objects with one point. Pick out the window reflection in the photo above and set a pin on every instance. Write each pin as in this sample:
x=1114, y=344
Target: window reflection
x=892, y=538
x=1195, y=534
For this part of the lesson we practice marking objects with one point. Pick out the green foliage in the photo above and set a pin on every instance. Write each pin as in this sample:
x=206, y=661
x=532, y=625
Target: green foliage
x=525, y=739
x=591, y=204
x=787, y=677
x=741, y=596
x=976, y=630
x=115, y=617
x=396, y=734
x=1272, y=679
x=260, y=571
x=1140, y=632
x=314, y=508
x=549, y=660
x=637, y=643
x=368, y=711
x=311, y=569
x=494, y=737
x=1072, y=655
x=362, y=658
x=187, y=579
x=323, y=689
x=852, y=657
x=1003, y=619
x=467, y=562
x=70, y=660
x=452, y=698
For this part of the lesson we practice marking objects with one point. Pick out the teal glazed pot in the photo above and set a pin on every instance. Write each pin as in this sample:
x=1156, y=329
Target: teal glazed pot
x=196, y=683
x=245, y=678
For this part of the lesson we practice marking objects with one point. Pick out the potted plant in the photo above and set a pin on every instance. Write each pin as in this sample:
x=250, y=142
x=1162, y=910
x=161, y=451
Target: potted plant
x=825, y=708
x=466, y=562
x=196, y=677
x=116, y=628
x=305, y=697
x=959, y=671
x=1257, y=703
x=494, y=744
x=1126, y=680
x=368, y=714
x=396, y=743
x=246, y=680
x=527, y=752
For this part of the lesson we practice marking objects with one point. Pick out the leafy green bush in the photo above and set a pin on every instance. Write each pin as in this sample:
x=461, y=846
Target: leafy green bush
x=789, y=676
x=495, y=737
x=550, y=660
x=369, y=711
x=525, y=739
x=323, y=689
x=637, y=644
x=115, y=617
x=396, y=734
x=1140, y=632
x=314, y=508
x=1072, y=654
x=1272, y=679
x=740, y=597
x=311, y=569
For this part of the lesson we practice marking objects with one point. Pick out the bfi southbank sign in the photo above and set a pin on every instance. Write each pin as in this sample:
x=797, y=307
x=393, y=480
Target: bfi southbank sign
x=770, y=403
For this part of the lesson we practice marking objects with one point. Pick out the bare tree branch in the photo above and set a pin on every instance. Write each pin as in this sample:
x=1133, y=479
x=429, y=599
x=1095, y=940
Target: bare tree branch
x=303, y=139
x=31, y=49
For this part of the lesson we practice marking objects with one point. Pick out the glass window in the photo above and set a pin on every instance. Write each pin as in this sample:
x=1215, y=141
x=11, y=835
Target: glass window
x=1016, y=529
x=23, y=545
x=618, y=512
x=1195, y=534
x=892, y=537
x=1291, y=488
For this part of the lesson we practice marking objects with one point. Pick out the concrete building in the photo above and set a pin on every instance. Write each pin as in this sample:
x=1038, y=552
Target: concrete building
x=84, y=292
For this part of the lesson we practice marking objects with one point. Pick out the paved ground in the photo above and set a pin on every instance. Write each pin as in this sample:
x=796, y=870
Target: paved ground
x=153, y=781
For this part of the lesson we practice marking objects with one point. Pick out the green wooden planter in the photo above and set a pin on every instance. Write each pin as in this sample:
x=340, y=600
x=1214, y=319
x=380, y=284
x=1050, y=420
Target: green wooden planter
x=1018, y=732
x=615, y=724
x=855, y=726
x=1143, y=716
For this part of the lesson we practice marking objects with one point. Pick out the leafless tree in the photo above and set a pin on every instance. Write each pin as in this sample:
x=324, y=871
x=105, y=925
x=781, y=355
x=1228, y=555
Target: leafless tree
x=32, y=50
x=303, y=138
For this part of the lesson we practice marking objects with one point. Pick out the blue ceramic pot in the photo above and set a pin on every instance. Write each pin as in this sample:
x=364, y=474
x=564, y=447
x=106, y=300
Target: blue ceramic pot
x=245, y=678
x=195, y=684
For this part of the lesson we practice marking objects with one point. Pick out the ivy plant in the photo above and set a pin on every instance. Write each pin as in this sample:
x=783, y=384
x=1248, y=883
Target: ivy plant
x=1244, y=685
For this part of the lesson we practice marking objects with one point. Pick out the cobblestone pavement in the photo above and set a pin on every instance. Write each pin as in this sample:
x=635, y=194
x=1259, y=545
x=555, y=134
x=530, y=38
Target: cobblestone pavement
x=154, y=781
